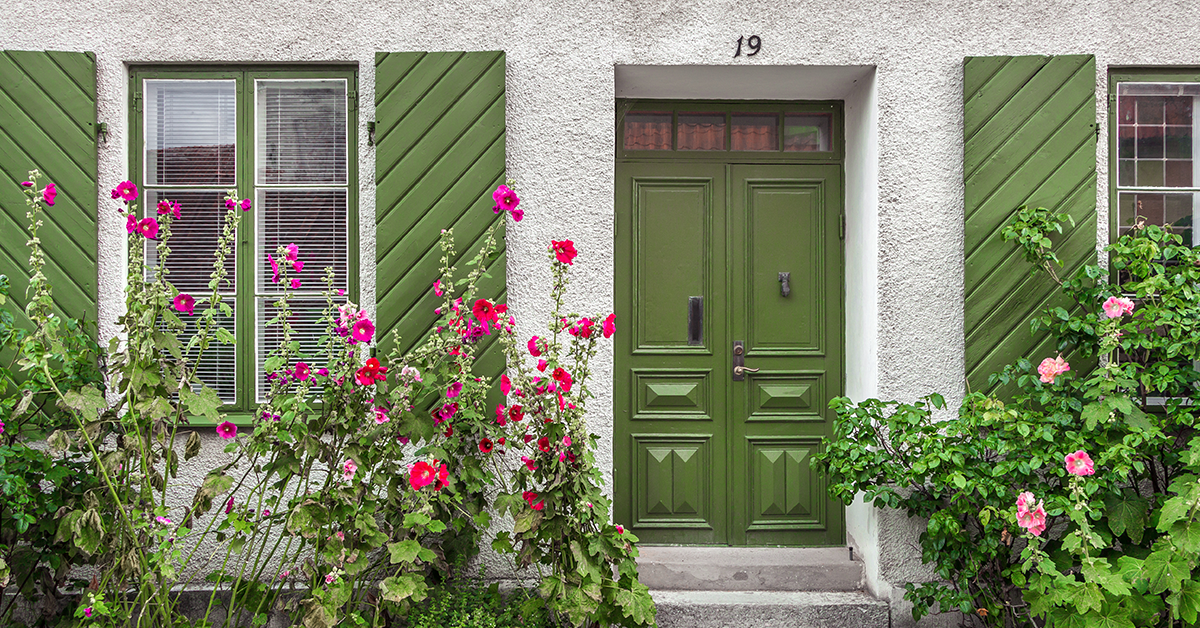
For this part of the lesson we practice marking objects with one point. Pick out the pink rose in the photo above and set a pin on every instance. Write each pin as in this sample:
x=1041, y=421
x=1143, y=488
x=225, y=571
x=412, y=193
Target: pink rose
x=1051, y=368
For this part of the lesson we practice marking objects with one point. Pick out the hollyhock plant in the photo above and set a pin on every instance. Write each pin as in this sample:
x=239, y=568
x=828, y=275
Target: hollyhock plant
x=274, y=268
x=301, y=372
x=420, y=475
x=291, y=252
x=49, y=193
x=1116, y=307
x=1031, y=516
x=131, y=223
x=454, y=389
x=564, y=251
x=227, y=430
x=126, y=191
x=506, y=199
x=148, y=228
x=534, y=348
x=185, y=303
x=363, y=330
x=610, y=326
x=1080, y=463
x=349, y=468
x=245, y=204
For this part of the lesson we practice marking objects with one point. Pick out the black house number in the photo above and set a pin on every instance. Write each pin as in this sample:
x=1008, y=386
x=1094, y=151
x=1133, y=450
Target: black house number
x=753, y=45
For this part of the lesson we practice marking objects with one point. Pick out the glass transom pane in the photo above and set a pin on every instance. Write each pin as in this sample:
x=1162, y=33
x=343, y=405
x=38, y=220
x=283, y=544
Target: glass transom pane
x=807, y=132
x=301, y=130
x=317, y=222
x=1155, y=129
x=191, y=132
x=751, y=131
x=648, y=130
x=193, y=240
x=701, y=131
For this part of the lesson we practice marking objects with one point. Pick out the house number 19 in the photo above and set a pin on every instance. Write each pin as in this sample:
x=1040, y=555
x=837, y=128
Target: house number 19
x=753, y=45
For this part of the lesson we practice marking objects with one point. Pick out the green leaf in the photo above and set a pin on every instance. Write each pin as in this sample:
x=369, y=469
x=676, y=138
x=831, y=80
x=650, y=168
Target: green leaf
x=192, y=448
x=400, y=588
x=87, y=401
x=206, y=403
x=216, y=484
x=404, y=551
x=1094, y=414
x=1165, y=570
x=1185, y=604
x=1098, y=571
x=1127, y=514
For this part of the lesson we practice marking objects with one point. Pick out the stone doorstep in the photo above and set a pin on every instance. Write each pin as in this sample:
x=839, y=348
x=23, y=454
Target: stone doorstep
x=664, y=568
x=770, y=609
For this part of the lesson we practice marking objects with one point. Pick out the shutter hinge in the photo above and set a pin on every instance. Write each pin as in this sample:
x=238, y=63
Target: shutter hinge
x=370, y=133
x=102, y=132
x=137, y=102
x=352, y=100
x=842, y=225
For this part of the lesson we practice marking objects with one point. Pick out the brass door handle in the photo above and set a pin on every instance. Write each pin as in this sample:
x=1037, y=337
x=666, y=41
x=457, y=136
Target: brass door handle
x=742, y=370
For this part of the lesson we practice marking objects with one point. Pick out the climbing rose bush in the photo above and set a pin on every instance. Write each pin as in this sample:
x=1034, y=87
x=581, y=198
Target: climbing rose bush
x=1068, y=495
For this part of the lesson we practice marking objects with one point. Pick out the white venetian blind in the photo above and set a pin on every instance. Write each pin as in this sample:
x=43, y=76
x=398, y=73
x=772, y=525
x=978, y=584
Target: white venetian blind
x=301, y=132
x=190, y=132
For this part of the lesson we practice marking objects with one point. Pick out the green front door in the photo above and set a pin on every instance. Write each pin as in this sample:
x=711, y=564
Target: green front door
x=704, y=456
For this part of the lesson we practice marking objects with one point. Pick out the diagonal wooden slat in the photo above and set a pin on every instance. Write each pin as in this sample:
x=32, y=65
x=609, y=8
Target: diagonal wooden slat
x=440, y=139
x=48, y=122
x=1029, y=138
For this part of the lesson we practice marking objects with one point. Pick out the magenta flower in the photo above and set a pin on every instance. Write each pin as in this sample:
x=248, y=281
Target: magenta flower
x=295, y=284
x=534, y=350
x=445, y=413
x=298, y=265
x=27, y=184
x=349, y=468
x=301, y=372
x=329, y=578
x=164, y=521
x=291, y=252
x=227, y=430
x=49, y=193
x=620, y=529
x=517, y=214
x=1080, y=463
x=230, y=204
x=126, y=191
x=245, y=204
x=185, y=303
x=148, y=227
x=363, y=330
x=229, y=506
x=87, y=612
x=454, y=390
x=506, y=199
x=437, y=287
x=1115, y=307
x=1, y=427
x=381, y=416
x=131, y=223
x=274, y=269
x=610, y=325
x=1051, y=368
x=167, y=207
x=505, y=385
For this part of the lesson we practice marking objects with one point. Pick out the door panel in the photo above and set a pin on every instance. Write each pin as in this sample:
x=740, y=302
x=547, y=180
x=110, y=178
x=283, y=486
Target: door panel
x=702, y=458
x=674, y=452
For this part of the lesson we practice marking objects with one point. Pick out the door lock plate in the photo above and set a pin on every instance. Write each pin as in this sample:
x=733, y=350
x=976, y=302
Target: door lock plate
x=739, y=361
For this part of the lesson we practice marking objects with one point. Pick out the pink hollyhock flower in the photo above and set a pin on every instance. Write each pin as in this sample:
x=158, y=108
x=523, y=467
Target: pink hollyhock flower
x=1115, y=307
x=484, y=311
x=301, y=372
x=1080, y=463
x=539, y=505
x=381, y=416
x=515, y=414
x=49, y=193
x=564, y=250
x=501, y=415
x=291, y=252
x=445, y=413
x=227, y=430
x=298, y=265
x=349, y=468
x=505, y=385
x=543, y=444
x=329, y=578
x=29, y=184
x=610, y=326
x=454, y=390
x=1024, y=501
x=567, y=440
x=126, y=191
x=541, y=365
x=245, y=204
x=363, y=330
x=323, y=372
x=371, y=372
x=229, y=506
x=517, y=214
x=1033, y=517
x=87, y=612
x=274, y=269
x=410, y=374
x=534, y=349
x=131, y=223
x=1051, y=368
x=295, y=284
x=230, y=204
x=164, y=207
x=420, y=475
x=443, y=477
x=620, y=529
x=266, y=512
x=437, y=288
x=529, y=464
x=148, y=227
x=506, y=199
x=185, y=303
x=164, y=521
x=563, y=378
x=1, y=427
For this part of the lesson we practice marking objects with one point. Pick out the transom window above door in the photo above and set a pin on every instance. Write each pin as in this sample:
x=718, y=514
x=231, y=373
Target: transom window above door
x=697, y=128
x=282, y=138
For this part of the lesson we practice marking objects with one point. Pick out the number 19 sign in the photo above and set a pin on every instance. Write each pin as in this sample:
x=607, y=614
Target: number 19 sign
x=753, y=45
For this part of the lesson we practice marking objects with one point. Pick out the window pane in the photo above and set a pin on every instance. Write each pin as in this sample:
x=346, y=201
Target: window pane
x=1179, y=174
x=316, y=221
x=218, y=366
x=1150, y=173
x=648, y=130
x=193, y=240
x=190, y=132
x=1149, y=142
x=301, y=132
x=1177, y=210
x=806, y=132
x=307, y=329
x=755, y=131
x=1179, y=142
x=701, y=131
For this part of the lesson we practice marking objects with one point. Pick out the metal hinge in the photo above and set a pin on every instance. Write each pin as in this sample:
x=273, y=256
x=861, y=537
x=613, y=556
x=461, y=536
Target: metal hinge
x=842, y=225
x=137, y=102
x=352, y=100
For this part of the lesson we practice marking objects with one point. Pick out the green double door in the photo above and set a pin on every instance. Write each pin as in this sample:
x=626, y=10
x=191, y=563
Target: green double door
x=704, y=454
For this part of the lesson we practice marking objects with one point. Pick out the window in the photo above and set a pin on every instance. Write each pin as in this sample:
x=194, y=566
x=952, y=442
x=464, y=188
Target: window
x=281, y=137
x=760, y=131
x=1155, y=163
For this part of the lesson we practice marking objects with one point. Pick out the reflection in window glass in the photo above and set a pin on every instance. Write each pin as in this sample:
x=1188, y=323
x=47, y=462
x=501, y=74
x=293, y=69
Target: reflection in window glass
x=701, y=131
x=751, y=131
x=301, y=132
x=190, y=132
x=807, y=132
x=648, y=130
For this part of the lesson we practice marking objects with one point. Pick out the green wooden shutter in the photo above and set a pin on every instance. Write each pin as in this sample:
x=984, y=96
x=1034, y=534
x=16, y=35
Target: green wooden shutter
x=439, y=154
x=1029, y=135
x=48, y=122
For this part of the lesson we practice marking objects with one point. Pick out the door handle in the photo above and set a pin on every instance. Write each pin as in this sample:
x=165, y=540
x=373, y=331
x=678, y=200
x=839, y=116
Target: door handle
x=742, y=370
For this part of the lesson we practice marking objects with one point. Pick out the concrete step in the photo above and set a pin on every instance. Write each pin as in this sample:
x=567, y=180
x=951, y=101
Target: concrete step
x=769, y=609
x=749, y=569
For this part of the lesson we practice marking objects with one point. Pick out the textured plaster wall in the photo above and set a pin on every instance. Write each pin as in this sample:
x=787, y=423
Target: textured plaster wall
x=561, y=58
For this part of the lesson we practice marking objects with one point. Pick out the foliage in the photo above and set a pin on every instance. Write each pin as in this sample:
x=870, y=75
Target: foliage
x=1117, y=547
x=466, y=603
x=355, y=484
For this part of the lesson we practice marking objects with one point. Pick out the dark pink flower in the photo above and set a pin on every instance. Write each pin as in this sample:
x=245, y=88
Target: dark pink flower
x=131, y=223
x=302, y=372
x=534, y=349
x=230, y=204
x=420, y=475
x=445, y=413
x=245, y=204
x=274, y=269
x=506, y=199
x=49, y=193
x=610, y=325
x=291, y=252
x=505, y=385
x=185, y=303
x=126, y=191
x=298, y=265
x=229, y=506
x=517, y=214
x=564, y=250
x=437, y=287
x=295, y=284
x=454, y=390
x=28, y=184
x=363, y=330
x=227, y=430
x=1080, y=463
x=148, y=227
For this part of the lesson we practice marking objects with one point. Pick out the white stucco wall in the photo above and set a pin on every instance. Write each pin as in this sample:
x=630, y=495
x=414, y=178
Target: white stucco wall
x=904, y=275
